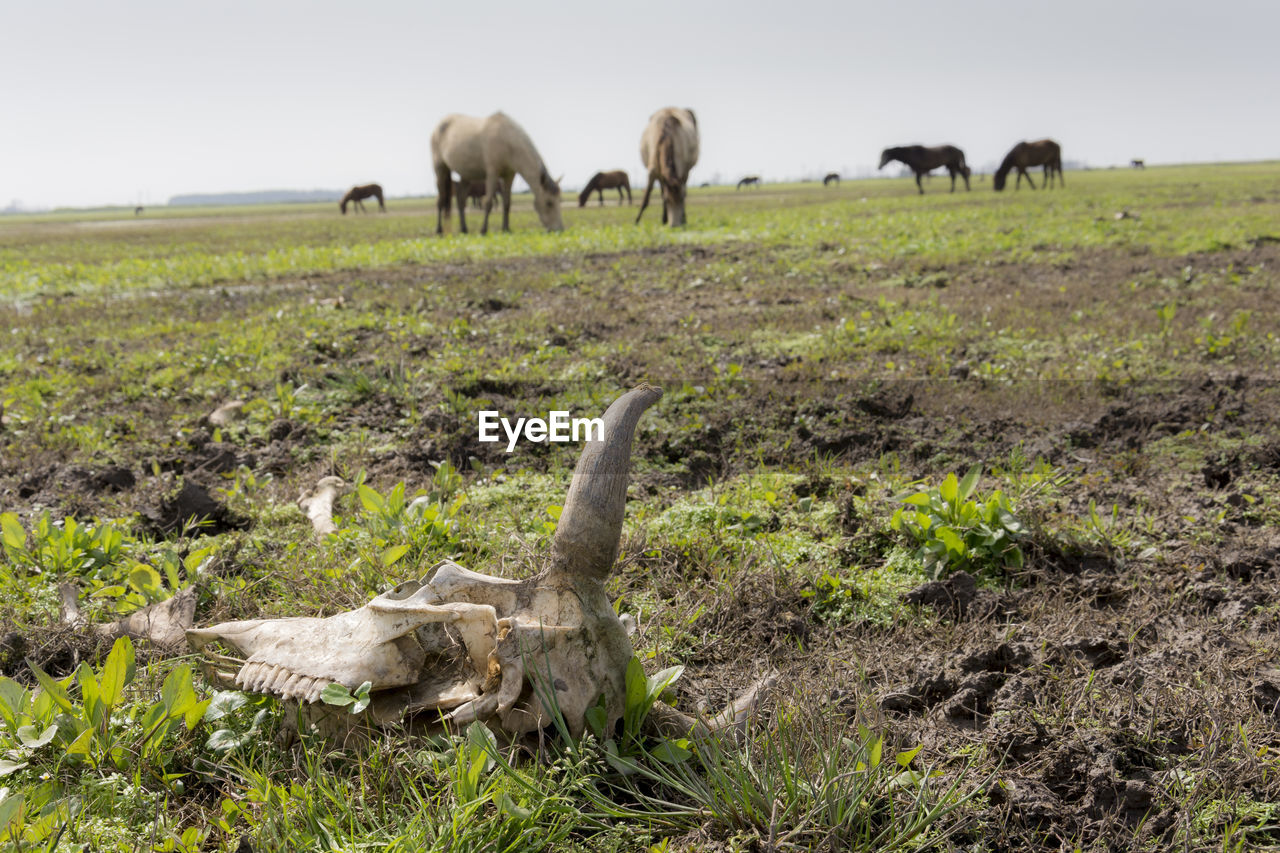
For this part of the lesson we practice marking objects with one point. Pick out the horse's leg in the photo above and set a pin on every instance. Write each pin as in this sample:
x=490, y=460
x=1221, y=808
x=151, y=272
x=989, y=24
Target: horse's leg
x=444, y=186
x=464, y=193
x=381, y=204
x=600, y=193
x=506, y=199
x=644, y=202
x=919, y=185
x=619, y=189
x=489, y=184
x=953, y=178
x=628, y=186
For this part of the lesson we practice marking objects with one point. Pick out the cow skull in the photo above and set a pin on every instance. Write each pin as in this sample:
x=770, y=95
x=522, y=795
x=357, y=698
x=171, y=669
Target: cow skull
x=461, y=646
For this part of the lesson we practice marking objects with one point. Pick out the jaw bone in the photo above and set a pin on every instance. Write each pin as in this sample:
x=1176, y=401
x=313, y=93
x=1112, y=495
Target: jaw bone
x=467, y=646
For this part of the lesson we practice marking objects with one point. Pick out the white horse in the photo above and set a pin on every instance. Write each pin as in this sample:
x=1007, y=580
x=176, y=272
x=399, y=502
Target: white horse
x=669, y=148
x=491, y=151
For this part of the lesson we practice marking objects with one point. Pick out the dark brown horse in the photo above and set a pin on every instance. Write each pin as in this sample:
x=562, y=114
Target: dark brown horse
x=749, y=181
x=831, y=178
x=922, y=161
x=356, y=195
x=601, y=181
x=1042, y=152
x=475, y=192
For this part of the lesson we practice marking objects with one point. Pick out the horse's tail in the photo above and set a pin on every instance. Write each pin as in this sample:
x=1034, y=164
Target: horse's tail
x=585, y=195
x=667, y=149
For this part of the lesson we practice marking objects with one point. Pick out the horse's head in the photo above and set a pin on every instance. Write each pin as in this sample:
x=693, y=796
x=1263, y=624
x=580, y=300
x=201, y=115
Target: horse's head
x=547, y=203
x=673, y=195
x=342, y=205
x=885, y=156
x=997, y=181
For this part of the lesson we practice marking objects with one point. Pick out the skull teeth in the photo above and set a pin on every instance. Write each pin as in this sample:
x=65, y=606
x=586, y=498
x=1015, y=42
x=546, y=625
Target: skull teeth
x=260, y=677
x=288, y=689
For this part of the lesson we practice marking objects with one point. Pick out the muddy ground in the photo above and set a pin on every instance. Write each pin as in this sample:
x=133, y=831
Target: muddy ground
x=1100, y=697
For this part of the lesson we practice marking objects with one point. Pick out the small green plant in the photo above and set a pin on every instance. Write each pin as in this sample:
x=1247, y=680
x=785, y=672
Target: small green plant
x=65, y=547
x=231, y=734
x=400, y=526
x=100, y=556
x=355, y=702
x=955, y=532
x=48, y=727
x=834, y=598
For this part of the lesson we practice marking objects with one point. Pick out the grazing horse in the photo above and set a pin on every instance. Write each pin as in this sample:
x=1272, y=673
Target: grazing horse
x=923, y=160
x=1043, y=152
x=357, y=194
x=831, y=178
x=491, y=151
x=475, y=193
x=601, y=181
x=669, y=149
x=1137, y=164
x=749, y=181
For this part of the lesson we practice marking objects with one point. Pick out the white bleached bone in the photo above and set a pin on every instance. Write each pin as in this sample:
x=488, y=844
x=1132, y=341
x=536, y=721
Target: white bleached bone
x=318, y=501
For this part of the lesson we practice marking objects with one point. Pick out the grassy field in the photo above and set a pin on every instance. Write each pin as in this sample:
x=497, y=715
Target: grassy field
x=1074, y=647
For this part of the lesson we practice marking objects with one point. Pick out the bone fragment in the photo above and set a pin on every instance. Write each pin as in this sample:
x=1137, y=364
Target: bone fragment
x=667, y=722
x=318, y=501
x=163, y=623
x=226, y=413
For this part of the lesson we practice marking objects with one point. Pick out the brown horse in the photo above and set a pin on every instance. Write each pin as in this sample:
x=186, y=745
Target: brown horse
x=831, y=178
x=669, y=149
x=357, y=194
x=601, y=181
x=475, y=192
x=750, y=181
x=1042, y=152
x=922, y=161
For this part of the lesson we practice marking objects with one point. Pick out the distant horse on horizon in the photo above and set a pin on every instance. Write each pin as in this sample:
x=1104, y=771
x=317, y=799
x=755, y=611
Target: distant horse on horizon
x=749, y=181
x=356, y=195
x=831, y=178
x=137, y=211
x=492, y=151
x=1042, y=152
x=922, y=161
x=1137, y=164
x=601, y=181
x=669, y=149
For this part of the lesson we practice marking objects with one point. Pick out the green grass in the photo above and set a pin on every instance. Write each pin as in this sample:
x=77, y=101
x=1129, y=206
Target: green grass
x=787, y=327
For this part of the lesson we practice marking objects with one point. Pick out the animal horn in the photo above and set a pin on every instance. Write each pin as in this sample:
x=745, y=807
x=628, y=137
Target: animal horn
x=590, y=529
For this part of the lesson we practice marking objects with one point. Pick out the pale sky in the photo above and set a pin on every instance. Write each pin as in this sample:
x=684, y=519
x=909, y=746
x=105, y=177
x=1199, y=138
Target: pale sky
x=133, y=101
